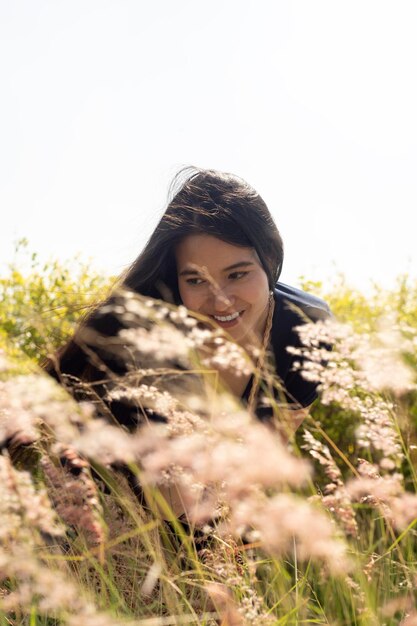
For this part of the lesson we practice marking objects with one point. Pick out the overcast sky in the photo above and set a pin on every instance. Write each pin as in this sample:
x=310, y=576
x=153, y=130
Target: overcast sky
x=314, y=103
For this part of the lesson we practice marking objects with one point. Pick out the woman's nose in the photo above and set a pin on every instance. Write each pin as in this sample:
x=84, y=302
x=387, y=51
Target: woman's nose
x=223, y=300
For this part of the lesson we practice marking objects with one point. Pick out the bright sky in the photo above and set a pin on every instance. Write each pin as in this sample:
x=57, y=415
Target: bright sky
x=314, y=103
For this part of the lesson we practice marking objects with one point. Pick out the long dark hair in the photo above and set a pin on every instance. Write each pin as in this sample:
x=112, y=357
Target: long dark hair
x=201, y=201
x=210, y=202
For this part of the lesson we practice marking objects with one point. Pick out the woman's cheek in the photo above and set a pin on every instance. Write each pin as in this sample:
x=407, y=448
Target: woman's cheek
x=257, y=288
x=189, y=298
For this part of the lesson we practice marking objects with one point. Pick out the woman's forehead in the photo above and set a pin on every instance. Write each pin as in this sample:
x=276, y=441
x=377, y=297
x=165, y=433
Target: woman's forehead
x=207, y=250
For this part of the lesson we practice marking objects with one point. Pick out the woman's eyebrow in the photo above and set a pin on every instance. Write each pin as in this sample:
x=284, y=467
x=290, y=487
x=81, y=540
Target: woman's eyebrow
x=236, y=265
x=188, y=272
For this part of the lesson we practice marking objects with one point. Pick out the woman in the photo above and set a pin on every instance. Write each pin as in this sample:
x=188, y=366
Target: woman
x=217, y=251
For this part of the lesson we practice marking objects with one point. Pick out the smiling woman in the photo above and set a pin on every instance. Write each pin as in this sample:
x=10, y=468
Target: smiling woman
x=225, y=282
x=217, y=251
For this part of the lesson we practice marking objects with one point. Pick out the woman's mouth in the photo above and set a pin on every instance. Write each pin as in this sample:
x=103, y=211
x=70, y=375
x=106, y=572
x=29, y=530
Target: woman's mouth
x=227, y=321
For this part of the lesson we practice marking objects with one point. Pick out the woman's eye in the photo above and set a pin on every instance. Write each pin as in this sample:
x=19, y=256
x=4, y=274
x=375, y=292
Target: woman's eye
x=195, y=281
x=237, y=275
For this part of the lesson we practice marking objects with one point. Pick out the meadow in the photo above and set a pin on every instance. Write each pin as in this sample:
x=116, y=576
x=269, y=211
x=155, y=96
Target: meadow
x=316, y=528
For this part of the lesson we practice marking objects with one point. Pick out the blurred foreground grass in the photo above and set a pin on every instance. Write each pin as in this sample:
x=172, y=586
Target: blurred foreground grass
x=77, y=547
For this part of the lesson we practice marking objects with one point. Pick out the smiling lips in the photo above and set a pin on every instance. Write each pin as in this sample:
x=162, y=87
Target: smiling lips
x=227, y=319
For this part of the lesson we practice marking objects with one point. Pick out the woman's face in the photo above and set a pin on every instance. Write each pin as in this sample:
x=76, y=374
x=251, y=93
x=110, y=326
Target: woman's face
x=224, y=282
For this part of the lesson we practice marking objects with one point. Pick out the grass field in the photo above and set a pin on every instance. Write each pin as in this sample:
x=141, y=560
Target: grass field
x=317, y=530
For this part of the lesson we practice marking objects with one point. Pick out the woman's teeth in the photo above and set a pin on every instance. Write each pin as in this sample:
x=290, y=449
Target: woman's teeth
x=226, y=318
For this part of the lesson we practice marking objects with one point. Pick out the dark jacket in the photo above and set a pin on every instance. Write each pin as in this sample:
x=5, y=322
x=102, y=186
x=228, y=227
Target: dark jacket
x=293, y=307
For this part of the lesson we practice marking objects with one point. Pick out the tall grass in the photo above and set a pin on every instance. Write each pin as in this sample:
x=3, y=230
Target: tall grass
x=319, y=529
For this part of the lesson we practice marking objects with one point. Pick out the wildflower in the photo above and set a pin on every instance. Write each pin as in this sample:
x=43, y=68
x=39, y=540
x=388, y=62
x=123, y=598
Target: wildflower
x=74, y=494
x=346, y=379
x=227, y=355
x=369, y=566
x=373, y=362
x=227, y=454
x=152, y=400
x=286, y=518
x=49, y=590
x=377, y=430
x=336, y=499
x=29, y=401
x=24, y=508
x=148, y=396
x=105, y=443
x=224, y=465
x=403, y=510
x=163, y=342
x=380, y=358
x=385, y=493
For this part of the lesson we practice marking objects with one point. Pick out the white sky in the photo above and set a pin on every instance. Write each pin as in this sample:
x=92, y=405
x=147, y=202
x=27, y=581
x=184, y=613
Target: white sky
x=314, y=103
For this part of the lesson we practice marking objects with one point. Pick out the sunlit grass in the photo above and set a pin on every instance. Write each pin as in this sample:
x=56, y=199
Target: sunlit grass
x=88, y=542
